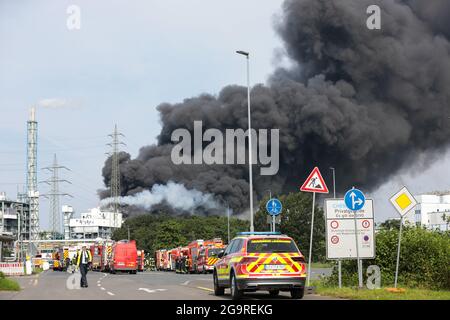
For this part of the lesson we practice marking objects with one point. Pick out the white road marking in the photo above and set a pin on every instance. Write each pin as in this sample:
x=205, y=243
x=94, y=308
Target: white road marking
x=102, y=288
x=147, y=290
x=35, y=282
x=110, y=293
x=186, y=283
x=150, y=290
x=99, y=285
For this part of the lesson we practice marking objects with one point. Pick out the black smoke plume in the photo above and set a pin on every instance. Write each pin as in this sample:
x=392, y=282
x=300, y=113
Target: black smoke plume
x=366, y=102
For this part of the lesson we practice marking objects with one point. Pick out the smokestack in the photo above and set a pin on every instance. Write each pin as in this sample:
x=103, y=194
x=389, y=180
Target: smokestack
x=367, y=102
x=32, y=114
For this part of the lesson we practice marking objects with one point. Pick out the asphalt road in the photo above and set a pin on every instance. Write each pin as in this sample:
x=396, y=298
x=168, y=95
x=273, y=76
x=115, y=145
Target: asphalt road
x=140, y=286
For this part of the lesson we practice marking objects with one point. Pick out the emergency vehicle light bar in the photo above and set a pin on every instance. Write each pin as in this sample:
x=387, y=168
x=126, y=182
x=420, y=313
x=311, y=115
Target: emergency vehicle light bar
x=261, y=233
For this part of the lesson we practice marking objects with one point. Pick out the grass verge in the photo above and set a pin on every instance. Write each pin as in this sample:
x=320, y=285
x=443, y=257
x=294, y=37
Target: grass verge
x=380, y=294
x=37, y=270
x=7, y=284
x=320, y=265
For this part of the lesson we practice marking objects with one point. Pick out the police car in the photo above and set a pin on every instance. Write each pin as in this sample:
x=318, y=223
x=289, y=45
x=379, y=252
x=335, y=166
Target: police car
x=260, y=261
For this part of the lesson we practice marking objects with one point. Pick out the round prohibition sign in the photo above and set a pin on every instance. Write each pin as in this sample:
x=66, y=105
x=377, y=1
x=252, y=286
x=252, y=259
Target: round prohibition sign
x=334, y=239
x=366, y=223
x=334, y=224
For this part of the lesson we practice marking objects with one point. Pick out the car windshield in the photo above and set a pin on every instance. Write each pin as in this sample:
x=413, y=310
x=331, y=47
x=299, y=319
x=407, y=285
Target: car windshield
x=271, y=246
x=214, y=252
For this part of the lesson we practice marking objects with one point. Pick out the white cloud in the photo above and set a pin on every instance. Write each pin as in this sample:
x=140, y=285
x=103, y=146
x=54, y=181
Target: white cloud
x=56, y=103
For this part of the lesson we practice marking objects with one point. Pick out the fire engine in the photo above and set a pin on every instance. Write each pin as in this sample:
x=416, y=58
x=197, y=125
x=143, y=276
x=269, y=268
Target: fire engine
x=61, y=259
x=208, y=254
x=159, y=259
x=174, y=256
x=193, y=253
x=198, y=256
x=124, y=256
x=101, y=256
x=97, y=253
x=162, y=260
x=140, y=260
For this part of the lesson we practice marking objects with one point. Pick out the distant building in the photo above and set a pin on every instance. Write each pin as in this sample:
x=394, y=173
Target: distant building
x=14, y=217
x=14, y=223
x=430, y=210
x=95, y=224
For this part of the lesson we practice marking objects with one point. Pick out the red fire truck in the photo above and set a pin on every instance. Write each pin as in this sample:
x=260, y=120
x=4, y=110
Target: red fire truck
x=162, y=260
x=124, y=256
x=208, y=254
x=159, y=261
x=97, y=253
x=101, y=256
x=140, y=260
x=194, y=249
x=174, y=256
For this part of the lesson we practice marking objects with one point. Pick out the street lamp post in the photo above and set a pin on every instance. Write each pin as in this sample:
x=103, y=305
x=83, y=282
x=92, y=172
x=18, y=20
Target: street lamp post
x=334, y=197
x=228, y=222
x=250, y=160
x=272, y=225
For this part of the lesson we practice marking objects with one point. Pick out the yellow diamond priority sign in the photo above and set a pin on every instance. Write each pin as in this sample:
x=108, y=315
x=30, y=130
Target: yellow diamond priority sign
x=403, y=201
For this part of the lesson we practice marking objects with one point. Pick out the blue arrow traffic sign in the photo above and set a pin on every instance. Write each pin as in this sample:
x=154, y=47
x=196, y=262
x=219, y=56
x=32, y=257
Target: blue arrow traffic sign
x=274, y=207
x=354, y=199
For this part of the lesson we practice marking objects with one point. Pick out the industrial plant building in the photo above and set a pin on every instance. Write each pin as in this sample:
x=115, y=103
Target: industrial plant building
x=93, y=224
x=431, y=211
x=14, y=217
x=14, y=221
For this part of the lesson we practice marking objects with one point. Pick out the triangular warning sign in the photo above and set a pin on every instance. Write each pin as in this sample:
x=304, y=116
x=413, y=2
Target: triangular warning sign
x=314, y=183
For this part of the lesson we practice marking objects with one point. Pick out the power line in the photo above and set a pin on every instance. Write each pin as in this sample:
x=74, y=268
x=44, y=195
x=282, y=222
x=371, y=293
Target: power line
x=54, y=194
x=115, y=169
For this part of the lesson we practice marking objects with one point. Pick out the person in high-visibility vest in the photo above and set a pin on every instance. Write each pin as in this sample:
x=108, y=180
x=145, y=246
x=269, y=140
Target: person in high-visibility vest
x=83, y=260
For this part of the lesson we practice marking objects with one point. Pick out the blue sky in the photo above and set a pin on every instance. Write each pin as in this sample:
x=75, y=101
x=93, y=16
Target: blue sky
x=128, y=57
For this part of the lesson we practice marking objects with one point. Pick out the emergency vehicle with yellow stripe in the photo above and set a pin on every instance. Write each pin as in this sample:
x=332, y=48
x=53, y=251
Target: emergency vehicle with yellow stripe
x=208, y=254
x=255, y=261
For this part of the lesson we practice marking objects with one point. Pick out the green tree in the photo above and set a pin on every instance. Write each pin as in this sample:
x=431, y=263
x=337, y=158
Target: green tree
x=446, y=218
x=390, y=224
x=161, y=231
x=296, y=222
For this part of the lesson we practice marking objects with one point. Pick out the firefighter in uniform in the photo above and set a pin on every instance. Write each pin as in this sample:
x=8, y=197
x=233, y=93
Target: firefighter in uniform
x=84, y=258
x=188, y=264
x=183, y=264
x=178, y=264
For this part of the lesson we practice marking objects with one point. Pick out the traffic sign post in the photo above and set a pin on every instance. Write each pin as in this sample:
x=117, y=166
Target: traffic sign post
x=274, y=208
x=355, y=200
x=314, y=183
x=403, y=201
x=340, y=223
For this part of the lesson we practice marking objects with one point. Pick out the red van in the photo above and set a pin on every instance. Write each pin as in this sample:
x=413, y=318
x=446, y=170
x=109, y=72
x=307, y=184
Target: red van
x=124, y=256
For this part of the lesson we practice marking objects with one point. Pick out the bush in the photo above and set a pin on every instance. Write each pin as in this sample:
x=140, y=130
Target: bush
x=2, y=275
x=424, y=259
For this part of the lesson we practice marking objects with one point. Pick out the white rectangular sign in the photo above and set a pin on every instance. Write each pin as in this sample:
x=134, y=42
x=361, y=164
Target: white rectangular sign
x=340, y=230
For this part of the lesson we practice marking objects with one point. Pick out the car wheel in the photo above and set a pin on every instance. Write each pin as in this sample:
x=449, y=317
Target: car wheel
x=297, y=293
x=218, y=291
x=236, y=294
x=274, y=293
